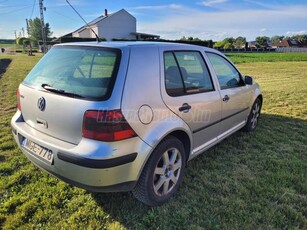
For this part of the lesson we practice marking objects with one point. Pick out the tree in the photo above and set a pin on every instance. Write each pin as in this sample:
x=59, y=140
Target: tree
x=262, y=41
x=219, y=45
x=183, y=38
x=26, y=42
x=301, y=38
x=230, y=40
x=197, y=39
x=228, y=45
x=35, y=30
x=277, y=38
x=240, y=42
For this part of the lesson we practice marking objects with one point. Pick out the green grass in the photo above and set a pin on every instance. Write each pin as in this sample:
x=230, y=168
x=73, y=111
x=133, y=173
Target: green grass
x=249, y=181
x=4, y=45
x=266, y=57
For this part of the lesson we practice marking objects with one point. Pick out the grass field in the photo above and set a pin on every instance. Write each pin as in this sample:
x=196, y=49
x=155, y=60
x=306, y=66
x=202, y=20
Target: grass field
x=249, y=181
x=266, y=57
x=3, y=45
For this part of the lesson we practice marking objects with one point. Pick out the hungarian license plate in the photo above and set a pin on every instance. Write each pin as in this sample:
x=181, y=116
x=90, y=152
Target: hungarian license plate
x=38, y=150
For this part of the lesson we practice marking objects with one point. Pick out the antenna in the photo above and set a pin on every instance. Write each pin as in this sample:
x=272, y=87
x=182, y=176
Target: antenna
x=98, y=39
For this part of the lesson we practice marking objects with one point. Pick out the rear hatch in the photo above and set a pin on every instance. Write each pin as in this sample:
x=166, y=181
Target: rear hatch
x=68, y=81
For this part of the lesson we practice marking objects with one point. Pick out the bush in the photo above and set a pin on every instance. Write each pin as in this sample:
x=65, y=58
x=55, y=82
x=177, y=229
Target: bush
x=19, y=41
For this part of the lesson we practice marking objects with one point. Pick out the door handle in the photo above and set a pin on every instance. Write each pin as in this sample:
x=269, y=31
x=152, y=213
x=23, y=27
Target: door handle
x=185, y=108
x=226, y=98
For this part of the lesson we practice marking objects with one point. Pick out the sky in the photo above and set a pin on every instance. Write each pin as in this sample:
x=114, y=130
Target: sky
x=205, y=19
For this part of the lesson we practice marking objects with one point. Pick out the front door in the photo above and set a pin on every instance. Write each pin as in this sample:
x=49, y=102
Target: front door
x=235, y=95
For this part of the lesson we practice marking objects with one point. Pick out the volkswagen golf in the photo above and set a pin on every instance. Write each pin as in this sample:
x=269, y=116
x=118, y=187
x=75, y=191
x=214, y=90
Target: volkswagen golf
x=128, y=116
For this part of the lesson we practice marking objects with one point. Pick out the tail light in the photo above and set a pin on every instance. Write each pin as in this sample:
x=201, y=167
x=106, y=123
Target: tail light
x=106, y=126
x=18, y=101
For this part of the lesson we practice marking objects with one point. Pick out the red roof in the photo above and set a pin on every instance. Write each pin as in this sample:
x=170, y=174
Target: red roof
x=288, y=43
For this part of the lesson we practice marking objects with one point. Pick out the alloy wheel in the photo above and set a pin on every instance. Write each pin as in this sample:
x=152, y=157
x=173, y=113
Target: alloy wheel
x=167, y=172
x=255, y=115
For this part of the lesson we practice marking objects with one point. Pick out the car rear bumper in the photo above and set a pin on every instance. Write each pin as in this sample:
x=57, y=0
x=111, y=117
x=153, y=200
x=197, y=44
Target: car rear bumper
x=98, y=164
x=93, y=165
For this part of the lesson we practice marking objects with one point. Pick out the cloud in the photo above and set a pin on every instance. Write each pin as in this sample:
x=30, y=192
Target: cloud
x=212, y=2
x=292, y=33
x=218, y=25
x=258, y=3
x=263, y=29
x=160, y=7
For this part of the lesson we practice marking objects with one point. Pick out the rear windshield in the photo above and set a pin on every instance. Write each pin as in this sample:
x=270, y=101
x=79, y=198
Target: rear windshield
x=89, y=72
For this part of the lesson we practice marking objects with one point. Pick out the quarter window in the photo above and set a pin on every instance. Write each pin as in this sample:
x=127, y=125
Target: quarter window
x=227, y=75
x=186, y=73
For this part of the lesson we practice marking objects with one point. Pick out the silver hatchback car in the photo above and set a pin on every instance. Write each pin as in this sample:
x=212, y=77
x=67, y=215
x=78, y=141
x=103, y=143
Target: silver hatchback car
x=128, y=116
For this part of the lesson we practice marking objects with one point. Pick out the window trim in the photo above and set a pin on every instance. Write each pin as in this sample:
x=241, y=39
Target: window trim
x=180, y=71
x=228, y=61
x=181, y=75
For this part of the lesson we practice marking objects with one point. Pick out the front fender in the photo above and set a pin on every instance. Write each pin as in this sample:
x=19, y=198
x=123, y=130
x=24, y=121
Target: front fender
x=257, y=92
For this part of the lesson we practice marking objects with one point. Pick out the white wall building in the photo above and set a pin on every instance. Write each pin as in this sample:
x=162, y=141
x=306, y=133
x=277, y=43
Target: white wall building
x=118, y=25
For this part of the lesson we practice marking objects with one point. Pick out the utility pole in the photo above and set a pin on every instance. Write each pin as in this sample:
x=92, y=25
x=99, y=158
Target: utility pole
x=41, y=9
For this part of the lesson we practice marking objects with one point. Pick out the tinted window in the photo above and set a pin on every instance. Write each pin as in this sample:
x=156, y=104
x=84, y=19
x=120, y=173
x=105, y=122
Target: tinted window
x=227, y=75
x=186, y=72
x=86, y=71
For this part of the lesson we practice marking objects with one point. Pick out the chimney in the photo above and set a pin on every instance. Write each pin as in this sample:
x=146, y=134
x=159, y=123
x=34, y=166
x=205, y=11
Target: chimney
x=106, y=12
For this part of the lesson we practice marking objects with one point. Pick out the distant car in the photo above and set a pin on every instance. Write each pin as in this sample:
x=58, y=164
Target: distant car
x=128, y=116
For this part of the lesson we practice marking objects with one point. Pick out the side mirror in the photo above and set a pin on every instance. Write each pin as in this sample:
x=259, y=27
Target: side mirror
x=248, y=80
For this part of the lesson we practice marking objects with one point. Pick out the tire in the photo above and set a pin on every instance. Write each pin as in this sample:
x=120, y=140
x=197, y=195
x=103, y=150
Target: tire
x=162, y=174
x=253, y=117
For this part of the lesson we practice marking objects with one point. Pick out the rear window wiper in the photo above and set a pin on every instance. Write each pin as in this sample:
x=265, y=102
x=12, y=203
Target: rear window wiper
x=61, y=91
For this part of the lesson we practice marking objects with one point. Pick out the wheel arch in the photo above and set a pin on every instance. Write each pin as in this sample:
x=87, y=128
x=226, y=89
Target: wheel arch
x=185, y=139
x=260, y=97
x=182, y=136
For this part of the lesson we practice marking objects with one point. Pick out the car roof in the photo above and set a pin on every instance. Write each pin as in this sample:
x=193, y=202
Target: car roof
x=137, y=43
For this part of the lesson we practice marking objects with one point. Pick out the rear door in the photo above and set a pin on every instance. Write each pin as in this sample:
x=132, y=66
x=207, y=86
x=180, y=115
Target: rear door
x=235, y=95
x=188, y=90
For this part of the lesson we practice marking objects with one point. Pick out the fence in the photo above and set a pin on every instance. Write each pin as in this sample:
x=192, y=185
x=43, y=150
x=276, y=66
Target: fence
x=248, y=50
x=291, y=49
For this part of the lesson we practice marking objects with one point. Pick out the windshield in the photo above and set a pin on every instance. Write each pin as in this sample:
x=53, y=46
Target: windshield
x=89, y=72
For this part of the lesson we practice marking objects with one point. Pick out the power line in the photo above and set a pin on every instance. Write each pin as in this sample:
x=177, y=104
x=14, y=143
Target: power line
x=13, y=6
x=63, y=15
x=13, y=11
x=32, y=9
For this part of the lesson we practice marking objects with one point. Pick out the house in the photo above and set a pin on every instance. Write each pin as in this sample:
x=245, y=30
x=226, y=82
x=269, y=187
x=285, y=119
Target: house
x=252, y=45
x=255, y=45
x=118, y=25
x=288, y=43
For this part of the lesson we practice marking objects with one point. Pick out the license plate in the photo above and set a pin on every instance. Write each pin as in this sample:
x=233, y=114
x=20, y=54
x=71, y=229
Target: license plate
x=38, y=150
